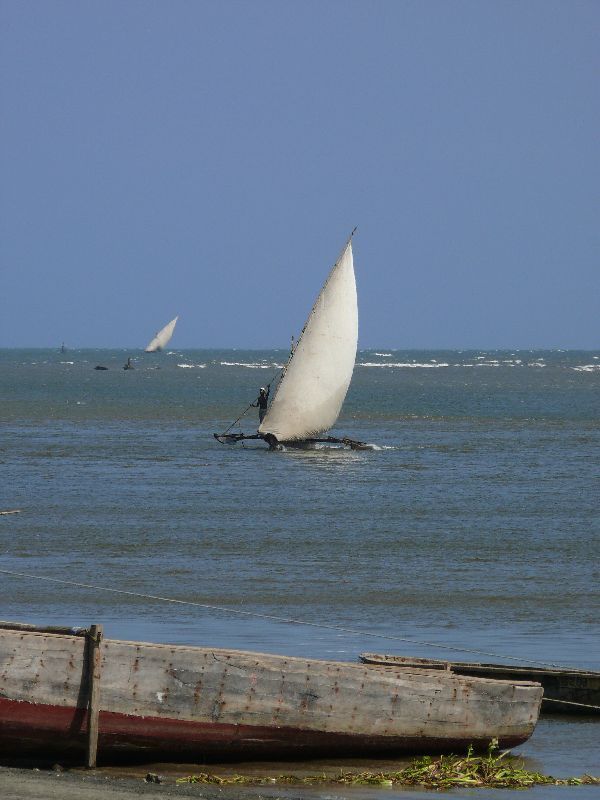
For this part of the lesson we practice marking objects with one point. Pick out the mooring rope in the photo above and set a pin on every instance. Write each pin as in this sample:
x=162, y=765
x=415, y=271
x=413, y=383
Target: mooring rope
x=570, y=703
x=287, y=620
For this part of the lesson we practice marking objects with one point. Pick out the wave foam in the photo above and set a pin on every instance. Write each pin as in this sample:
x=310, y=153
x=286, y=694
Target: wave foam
x=250, y=365
x=192, y=366
x=401, y=365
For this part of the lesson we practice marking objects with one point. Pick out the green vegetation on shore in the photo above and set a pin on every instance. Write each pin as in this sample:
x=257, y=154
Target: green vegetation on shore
x=498, y=771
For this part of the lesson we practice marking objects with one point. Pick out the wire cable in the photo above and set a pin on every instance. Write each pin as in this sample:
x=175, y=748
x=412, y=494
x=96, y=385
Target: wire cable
x=287, y=620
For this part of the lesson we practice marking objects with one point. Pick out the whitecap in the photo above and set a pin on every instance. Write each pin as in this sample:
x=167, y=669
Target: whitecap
x=384, y=355
x=587, y=368
x=66, y=362
x=192, y=366
x=401, y=365
x=250, y=366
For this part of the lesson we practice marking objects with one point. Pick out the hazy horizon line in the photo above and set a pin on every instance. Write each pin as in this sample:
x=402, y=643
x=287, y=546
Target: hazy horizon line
x=445, y=348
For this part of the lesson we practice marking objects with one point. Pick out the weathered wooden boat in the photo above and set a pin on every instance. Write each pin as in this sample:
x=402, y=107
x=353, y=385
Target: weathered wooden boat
x=566, y=691
x=314, y=382
x=199, y=704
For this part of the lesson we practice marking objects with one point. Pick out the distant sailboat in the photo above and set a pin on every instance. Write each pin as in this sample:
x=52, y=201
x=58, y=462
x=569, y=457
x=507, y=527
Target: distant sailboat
x=163, y=337
x=315, y=380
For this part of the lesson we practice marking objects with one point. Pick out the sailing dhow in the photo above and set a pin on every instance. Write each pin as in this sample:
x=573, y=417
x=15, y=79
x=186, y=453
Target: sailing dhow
x=315, y=380
x=163, y=337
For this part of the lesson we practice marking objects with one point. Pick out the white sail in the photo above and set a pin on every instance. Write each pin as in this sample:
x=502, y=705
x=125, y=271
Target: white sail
x=163, y=337
x=310, y=394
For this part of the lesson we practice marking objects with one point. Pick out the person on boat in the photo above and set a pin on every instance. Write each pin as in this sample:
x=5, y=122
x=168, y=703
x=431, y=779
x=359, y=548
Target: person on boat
x=262, y=402
x=129, y=365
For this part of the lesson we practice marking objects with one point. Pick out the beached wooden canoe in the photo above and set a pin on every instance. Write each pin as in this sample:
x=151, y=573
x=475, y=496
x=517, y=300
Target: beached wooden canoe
x=566, y=691
x=196, y=703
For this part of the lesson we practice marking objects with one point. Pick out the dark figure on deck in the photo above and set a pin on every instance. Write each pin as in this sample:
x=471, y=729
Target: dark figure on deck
x=129, y=365
x=262, y=402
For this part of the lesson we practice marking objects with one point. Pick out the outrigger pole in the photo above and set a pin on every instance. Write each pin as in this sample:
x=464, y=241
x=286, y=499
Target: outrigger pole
x=274, y=444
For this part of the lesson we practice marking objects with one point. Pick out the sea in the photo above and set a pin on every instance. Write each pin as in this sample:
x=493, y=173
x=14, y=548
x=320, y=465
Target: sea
x=470, y=531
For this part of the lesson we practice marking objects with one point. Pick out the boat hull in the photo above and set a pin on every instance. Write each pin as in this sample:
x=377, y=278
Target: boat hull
x=56, y=731
x=200, y=704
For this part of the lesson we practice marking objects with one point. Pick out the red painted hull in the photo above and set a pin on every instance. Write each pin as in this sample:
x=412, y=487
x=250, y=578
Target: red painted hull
x=52, y=731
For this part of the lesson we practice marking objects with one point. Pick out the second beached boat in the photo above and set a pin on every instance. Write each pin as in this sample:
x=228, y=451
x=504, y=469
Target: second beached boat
x=566, y=691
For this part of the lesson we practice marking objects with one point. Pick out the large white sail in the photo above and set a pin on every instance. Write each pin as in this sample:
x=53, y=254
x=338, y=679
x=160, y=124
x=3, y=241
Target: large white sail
x=163, y=337
x=310, y=394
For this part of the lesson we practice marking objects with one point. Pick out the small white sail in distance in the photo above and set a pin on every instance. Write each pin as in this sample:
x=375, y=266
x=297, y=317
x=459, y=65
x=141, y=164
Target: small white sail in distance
x=310, y=395
x=163, y=337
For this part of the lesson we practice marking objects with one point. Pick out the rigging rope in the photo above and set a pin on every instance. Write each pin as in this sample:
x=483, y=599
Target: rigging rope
x=238, y=419
x=287, y=620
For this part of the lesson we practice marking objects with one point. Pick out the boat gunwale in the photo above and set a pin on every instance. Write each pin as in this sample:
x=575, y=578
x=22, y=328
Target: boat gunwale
x=400, y=670
x=441, y=665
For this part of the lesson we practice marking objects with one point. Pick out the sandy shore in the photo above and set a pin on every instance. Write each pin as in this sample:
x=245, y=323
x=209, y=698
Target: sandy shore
x=28, y=784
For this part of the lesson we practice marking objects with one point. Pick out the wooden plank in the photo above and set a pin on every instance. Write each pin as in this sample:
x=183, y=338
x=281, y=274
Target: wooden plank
x=24, y=626
x=94, y=672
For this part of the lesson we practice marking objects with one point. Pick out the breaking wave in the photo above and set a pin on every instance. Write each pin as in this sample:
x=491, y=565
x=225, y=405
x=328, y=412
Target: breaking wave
x=401, y=364
x=250, y=365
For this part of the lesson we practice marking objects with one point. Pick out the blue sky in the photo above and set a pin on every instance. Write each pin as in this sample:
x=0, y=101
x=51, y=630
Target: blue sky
x=209, y=159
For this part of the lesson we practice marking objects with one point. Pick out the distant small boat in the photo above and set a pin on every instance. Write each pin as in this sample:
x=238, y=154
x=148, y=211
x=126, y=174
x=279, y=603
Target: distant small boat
x=315, y=380
x=566, y=691
x=163, y=337
x=203, y=703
